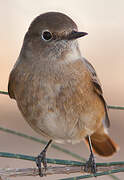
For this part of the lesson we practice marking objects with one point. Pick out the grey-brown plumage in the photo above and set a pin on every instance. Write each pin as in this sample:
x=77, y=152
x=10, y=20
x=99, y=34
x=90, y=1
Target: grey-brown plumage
x=56, y=89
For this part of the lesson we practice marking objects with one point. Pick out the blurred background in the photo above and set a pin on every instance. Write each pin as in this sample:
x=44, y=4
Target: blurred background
x=103, y=47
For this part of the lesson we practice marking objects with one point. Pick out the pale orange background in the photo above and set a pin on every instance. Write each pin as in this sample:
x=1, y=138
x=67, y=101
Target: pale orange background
x=104, y=47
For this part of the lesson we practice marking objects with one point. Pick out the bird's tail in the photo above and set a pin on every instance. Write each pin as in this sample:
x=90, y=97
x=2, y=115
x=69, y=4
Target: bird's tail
x=102, y=144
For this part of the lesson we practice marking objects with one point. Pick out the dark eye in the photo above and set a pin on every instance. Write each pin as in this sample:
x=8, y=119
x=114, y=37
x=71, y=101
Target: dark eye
x=46, y=35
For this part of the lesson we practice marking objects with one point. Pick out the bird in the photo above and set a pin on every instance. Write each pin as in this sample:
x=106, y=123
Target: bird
x=58, y=91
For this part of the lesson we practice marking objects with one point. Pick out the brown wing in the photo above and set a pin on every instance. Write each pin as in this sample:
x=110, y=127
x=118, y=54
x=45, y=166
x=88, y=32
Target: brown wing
x=98, y=90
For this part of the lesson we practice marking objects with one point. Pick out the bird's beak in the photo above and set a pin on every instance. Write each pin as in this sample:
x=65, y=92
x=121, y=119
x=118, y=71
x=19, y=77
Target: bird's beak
x=76, y=34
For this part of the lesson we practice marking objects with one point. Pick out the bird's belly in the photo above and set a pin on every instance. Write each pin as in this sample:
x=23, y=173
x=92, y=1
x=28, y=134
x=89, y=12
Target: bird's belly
x=50, y=122
x=53, y=125
x=61, y=116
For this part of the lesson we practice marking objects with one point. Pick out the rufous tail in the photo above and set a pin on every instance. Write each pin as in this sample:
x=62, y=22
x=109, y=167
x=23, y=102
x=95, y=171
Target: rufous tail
x=102, y=144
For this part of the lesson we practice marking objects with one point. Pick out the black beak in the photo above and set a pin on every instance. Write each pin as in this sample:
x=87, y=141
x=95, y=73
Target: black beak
x=76, y=34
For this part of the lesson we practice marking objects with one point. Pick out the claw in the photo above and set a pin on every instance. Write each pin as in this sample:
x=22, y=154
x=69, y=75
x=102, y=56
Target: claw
x=41, y=158
x=38, y=163
x=90, y=165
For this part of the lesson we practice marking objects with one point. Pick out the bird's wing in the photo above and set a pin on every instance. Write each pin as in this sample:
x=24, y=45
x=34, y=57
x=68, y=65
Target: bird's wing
x=10, y=85
x=98, y=90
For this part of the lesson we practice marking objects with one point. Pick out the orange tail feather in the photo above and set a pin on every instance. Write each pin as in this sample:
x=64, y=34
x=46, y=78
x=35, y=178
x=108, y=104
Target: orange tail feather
x=102, y=144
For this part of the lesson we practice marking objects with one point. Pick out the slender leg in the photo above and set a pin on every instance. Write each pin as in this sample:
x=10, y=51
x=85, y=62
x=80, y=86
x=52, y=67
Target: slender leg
x=41, y=158
x=90, y=164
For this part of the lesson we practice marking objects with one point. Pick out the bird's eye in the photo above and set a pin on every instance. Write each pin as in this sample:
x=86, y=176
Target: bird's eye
x=46, y=35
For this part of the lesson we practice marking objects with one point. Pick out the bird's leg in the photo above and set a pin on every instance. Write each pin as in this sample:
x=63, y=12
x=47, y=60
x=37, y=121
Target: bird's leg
x=90, y=164
x=41, y=158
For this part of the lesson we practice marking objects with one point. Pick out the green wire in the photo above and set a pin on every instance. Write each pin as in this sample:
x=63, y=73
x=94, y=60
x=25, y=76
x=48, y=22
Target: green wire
x=68, y=162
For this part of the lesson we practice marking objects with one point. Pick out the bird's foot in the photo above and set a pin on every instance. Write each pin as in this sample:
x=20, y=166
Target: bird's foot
x=41, y=158
x=90, y=166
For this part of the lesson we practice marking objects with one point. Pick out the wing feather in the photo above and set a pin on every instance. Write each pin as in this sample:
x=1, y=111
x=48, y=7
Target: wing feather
x=98, y=90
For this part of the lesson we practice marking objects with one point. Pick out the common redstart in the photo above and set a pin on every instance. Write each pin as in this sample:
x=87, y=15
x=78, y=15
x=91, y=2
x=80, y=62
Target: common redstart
x=58, y=91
